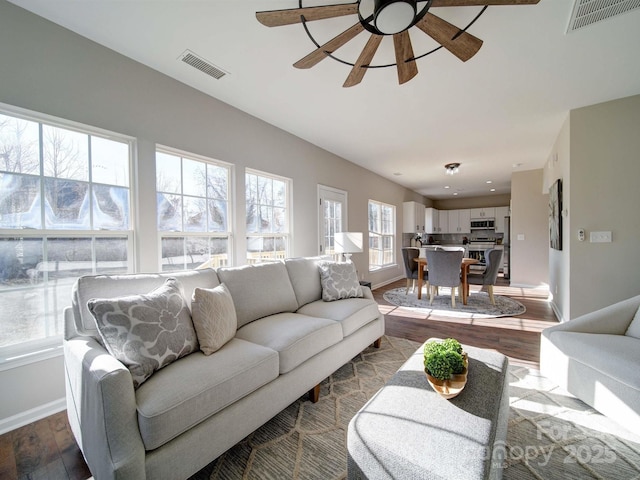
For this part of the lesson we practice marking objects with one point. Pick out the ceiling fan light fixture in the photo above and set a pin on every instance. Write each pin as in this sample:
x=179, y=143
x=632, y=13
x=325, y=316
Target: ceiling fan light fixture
x=394, y=16
x=451, y=168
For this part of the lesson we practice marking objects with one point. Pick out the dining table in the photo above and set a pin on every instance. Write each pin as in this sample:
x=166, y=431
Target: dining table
x=464, y=269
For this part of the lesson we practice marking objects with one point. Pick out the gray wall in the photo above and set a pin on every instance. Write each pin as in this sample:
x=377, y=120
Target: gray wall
x=50, y=70
x=529, y=218
x=599, y=150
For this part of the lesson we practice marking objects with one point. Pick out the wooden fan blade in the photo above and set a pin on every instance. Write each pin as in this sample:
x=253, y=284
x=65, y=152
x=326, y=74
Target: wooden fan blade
x=464, y=46
x=276, y=18
x=331, y=46
x=358, y=70
x=480, y=3
x=407, y=69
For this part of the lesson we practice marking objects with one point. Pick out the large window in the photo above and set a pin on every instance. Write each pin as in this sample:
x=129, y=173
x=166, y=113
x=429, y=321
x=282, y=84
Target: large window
x=382, y=221
x=193, y=210
x=64, y=212
x=268, y=212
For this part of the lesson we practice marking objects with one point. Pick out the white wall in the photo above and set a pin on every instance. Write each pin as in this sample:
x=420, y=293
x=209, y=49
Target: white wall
x=605, y=196
x=598, y=152
x=557, y=167
x=50, y=70
x=529, y=222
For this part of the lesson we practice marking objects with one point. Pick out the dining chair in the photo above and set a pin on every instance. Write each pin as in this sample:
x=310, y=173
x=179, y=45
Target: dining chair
x=493, y=259
x=411, y=267
x=444, y=271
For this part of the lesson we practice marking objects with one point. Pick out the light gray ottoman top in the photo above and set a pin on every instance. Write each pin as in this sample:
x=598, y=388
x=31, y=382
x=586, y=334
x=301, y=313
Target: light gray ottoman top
x=407, y=430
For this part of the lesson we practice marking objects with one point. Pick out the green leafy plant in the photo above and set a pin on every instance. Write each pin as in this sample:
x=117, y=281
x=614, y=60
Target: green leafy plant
x=442, y=359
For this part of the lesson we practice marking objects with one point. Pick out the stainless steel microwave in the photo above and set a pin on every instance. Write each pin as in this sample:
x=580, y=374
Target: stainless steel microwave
x=484, y=224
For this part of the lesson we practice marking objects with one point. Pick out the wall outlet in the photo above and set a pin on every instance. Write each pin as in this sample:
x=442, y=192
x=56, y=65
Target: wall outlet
x=600, y=237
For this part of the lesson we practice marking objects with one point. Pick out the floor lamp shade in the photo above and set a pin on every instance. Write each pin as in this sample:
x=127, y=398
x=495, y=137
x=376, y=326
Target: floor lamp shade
x=348, y=243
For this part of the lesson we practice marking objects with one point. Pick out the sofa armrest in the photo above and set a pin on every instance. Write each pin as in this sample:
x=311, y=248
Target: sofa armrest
x=367, y=292
x=101, y=406
x=613, y=319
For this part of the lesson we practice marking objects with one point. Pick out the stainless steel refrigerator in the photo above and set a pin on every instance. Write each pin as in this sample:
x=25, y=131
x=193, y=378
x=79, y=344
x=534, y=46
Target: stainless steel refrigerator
x=506, y=241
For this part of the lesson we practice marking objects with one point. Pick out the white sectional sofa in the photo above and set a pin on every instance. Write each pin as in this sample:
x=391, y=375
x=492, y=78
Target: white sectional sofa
x=596, y=357
x=189, y=412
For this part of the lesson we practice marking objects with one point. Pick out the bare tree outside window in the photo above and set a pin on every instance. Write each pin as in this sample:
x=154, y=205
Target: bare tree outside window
x=192, y=196
x=38, y=265
x=381, y=234
x=267, y=218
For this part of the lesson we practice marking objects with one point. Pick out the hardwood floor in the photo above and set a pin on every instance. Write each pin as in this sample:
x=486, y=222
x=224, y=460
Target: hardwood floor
x=47, y=450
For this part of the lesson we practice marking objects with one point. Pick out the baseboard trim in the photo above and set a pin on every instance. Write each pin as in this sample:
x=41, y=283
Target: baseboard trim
x=30, y=416
x=557, y=311
x=387, y=282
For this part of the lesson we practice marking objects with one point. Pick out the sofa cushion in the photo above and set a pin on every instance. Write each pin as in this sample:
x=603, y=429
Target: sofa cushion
x=259, y=290
x=109, y=286
x=617, y=356
x=295, y=337
x=214, y=317
x=634, y=327
x=351, y=313
x=146, y=332
x=192, y=389
x=305, y=278
x=339, y=280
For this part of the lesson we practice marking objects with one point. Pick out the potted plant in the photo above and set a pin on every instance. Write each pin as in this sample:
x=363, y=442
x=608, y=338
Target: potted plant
x=446, y=366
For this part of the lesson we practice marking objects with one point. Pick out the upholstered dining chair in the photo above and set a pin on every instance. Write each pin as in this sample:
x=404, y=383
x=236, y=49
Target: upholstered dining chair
x=411, y=267
x=493, y=259
x=444, y=271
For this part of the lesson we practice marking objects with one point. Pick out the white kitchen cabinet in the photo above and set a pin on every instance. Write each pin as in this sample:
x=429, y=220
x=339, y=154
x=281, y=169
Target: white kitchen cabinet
x=483, y=213
x=431, y=220
x=443, y=221
x=501, y=212
x=459, y=221
x=412, y=217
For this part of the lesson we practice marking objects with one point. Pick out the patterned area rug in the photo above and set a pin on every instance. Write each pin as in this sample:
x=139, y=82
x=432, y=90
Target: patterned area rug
x=551, y=434
x=478, y=304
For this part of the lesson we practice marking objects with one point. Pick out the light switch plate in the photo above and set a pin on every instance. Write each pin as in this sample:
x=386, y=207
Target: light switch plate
x=600, y=237
x=521, y=236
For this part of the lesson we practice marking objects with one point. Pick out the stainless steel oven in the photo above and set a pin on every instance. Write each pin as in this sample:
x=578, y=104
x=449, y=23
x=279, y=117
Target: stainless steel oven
x=476, y=250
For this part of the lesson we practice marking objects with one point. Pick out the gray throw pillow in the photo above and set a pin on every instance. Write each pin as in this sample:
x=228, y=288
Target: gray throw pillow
x=214, y=317
x=634, y=327
x=146, y=332
x=339, y=280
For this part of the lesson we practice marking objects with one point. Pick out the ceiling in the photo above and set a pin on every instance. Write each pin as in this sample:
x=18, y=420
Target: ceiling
x=498, y=113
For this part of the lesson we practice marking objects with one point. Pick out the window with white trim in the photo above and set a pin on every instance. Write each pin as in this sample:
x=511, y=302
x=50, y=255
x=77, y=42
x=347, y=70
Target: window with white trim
x=193, y=199
x=382, y=237
x=64, y=212
x=268, y=216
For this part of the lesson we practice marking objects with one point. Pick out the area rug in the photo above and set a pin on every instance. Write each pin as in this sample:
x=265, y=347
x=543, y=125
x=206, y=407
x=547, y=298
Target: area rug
x=551, y=435
x=478, y=304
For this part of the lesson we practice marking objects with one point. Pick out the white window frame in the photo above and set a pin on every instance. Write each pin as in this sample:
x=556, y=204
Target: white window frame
x=389, y=252
x=34, y=350
x=287, y=234
x=230, y=220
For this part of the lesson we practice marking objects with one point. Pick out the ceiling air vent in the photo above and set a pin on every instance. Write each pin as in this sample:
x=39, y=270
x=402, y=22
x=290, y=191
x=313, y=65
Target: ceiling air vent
x=201, y=64
x=588, y=12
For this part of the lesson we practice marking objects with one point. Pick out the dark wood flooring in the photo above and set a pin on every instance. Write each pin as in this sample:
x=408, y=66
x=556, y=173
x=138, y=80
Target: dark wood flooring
x=47, y=450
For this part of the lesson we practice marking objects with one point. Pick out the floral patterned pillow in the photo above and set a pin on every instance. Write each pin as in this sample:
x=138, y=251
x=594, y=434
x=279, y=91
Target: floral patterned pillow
x=146, y=332
x=339, y=280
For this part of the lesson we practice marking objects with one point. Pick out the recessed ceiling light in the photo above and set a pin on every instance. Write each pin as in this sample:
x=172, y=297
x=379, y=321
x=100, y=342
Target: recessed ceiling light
x=489, y=181
x=447, y=186
x=455, y=193
x=493, y=190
